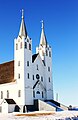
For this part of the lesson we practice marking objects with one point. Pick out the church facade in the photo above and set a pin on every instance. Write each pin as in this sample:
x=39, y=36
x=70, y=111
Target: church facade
x=28, y=77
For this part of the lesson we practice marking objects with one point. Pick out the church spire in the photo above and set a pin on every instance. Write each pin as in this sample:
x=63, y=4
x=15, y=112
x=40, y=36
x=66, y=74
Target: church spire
x=23, y=31
x=43, y=40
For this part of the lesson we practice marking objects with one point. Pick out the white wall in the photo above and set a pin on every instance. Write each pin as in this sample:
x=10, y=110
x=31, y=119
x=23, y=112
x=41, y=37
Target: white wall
x=4, y=106
x=11, y=108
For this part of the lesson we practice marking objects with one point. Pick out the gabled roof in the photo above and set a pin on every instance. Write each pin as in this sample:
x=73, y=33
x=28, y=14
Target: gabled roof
x=10, y=101
x=7, y=72
x=34, y=57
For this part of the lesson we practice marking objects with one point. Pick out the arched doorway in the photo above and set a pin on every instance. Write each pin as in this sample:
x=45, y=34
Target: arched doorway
x=17, y=108
x=24, y=109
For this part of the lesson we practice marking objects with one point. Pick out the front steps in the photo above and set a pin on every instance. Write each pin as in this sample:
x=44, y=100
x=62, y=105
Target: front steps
x=47, y=105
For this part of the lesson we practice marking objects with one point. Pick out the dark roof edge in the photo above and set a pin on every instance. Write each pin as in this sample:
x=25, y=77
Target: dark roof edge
x=7, y=62
x=34, y=57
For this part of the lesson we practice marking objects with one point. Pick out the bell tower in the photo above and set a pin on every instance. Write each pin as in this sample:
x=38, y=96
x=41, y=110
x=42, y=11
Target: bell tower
x=45, y=53
x=23, y=64
x=43, y=43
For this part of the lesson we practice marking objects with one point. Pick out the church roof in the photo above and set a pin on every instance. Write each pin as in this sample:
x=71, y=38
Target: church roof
x=23, y=31
x=34, y=57
x=7, y=72
x=10, y=101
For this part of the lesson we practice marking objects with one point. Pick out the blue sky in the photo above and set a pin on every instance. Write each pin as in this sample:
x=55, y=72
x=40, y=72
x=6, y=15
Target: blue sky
x=61, y=28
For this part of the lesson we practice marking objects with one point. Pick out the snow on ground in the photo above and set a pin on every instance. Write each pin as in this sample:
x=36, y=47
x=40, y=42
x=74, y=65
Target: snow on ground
x=63, y=115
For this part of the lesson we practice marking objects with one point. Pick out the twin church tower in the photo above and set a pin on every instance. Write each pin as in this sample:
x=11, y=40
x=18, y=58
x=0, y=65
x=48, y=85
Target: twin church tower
x=32, y=78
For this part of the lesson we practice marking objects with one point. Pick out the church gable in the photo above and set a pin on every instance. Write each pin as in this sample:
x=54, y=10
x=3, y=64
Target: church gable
x=37, y=59
x=39, y=86
x=7, y=72
x=39, y=90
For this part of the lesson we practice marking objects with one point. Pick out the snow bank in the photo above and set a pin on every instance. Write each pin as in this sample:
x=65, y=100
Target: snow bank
x=63, y=115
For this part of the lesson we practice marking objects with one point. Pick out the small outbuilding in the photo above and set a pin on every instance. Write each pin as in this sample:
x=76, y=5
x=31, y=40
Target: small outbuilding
x=7, y=106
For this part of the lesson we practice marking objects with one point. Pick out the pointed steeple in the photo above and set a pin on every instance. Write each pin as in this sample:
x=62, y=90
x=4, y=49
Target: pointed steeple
x=23, y=31
x=43, y=40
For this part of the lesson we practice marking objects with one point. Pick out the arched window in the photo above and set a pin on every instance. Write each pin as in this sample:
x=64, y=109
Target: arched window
x=1, y=94
x=19, y=93
x=38, y=92
x=16, y=46
x=42, y=95
x=27, y=40
x=49, y=53
x=34, y=94
x=18, y=76
x=21, y=45
x=29, y=46
x=41, y=78
x=25, y=45
x=49, y=69
x=27, y=63
x=33, y=77
x=7, y=94
x=28, y=75
x=49, y=79
x=0, y=109
x=18, y=63
x=37, y=66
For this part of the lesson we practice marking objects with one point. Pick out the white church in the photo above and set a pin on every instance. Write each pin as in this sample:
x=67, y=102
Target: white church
x=26, y=82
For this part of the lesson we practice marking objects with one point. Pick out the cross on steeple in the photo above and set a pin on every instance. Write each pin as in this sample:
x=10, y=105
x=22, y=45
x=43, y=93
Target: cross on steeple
x=22, y=13
x=23, y=31
x=42, y=24
x=43, y=40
